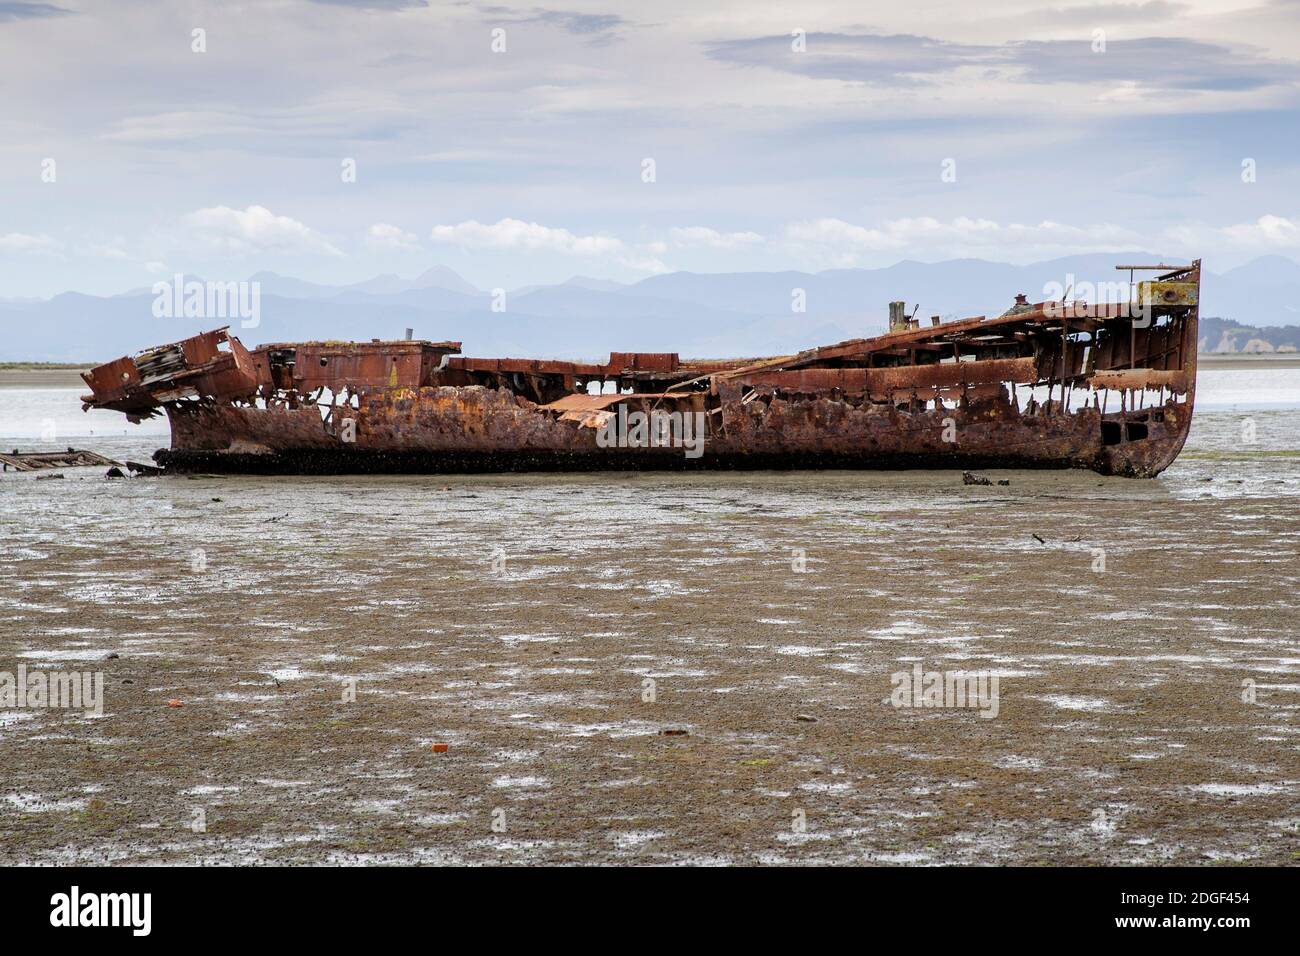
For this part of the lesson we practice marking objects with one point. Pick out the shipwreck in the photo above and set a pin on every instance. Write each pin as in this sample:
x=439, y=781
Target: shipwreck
x=1057, y=384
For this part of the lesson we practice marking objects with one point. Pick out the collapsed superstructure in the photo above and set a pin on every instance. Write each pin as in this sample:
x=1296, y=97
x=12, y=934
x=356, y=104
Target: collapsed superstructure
x=1050, y=385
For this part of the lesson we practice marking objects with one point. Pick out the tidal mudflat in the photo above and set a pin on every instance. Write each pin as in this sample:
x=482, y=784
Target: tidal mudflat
x=551, y=631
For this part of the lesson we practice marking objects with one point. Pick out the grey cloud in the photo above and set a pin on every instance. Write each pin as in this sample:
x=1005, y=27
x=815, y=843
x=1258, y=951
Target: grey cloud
x=600, y=27
x=1166, y=63
x=581, y=23
x=894, y=60
x=371, y=5
x=906, y=60
x=19, y=10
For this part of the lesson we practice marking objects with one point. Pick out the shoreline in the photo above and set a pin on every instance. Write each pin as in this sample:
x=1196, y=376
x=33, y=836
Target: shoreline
x=1236, y=360
x=51, y=377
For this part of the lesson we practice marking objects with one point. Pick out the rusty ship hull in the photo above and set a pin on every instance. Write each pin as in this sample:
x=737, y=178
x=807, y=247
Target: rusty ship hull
x=1049, y=385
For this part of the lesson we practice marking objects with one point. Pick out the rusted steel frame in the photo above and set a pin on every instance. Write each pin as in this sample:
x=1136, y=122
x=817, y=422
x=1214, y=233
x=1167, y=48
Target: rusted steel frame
x=884, y=380
x=540, y=366
x=332, y=365
x=202, y=370
x=1139, y=379
x=374, y=345
x=774, y=412
x=227, y=376
x=644, y=361
x=195, y=350
x=113, y=382
x=626, y=366
x=1041, y=314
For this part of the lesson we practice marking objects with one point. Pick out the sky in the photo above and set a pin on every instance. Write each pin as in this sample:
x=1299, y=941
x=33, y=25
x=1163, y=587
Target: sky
x=334, y=140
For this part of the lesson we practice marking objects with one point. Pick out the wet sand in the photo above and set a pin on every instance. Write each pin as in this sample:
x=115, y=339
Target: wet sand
x=42, y=377
x=1122, y=735
x=1248, y=361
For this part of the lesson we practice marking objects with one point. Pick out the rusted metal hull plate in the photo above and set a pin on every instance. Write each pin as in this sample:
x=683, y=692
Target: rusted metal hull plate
x=480, y=429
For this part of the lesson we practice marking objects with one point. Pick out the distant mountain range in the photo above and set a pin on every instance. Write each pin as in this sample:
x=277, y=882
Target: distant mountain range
x=696, y=315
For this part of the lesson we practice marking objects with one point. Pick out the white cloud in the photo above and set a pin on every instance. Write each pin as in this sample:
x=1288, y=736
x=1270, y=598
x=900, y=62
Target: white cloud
x=835, y=232
x=1267, y=232
x=255, y=229
x=382, y=235
x=508, y=234
x=515, y=235
x=687, y=236
x=22, y=242
x=958, y=237
x=105, y=250
x=644, y=263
